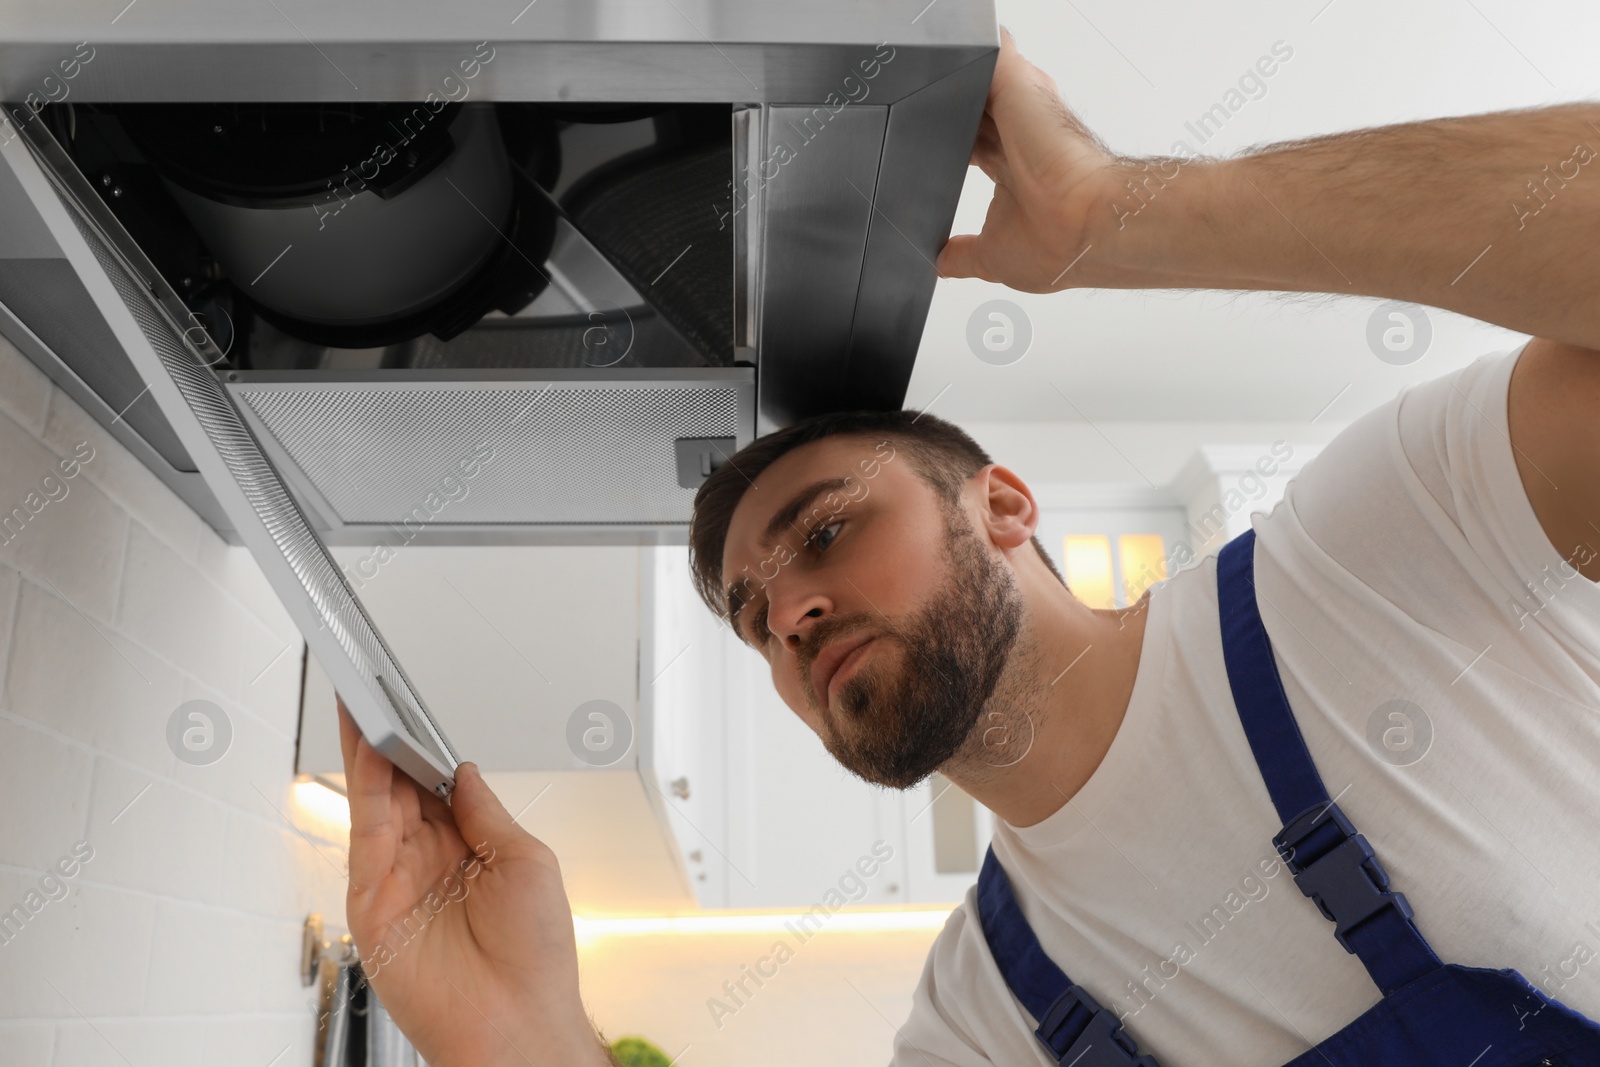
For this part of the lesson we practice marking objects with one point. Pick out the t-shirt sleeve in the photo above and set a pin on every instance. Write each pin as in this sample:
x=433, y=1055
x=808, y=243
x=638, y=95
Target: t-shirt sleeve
x=962, y=1014
x=932, y=1035
x=1421, y=500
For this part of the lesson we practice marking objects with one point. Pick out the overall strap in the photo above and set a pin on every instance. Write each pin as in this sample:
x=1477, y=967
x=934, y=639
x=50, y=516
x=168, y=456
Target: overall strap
x=1072, y=1024
x=1331, y=862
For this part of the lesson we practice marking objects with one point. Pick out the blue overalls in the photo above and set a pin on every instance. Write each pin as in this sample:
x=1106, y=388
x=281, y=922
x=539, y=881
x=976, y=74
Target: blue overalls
x=1432, y=1013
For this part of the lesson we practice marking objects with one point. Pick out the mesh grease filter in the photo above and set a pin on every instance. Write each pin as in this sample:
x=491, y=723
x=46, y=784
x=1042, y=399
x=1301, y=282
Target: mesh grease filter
x=575, y=452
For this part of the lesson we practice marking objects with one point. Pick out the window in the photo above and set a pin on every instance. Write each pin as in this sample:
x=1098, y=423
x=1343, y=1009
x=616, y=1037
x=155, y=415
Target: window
x=1140, y=561
x=1111, y=554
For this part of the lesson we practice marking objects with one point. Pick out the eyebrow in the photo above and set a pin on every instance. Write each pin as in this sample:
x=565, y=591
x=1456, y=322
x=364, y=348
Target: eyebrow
x=782, y=520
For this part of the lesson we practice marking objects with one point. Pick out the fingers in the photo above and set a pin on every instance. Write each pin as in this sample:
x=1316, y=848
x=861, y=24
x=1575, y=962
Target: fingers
x=959, y=257
x=988, y=154
x=369, y=784
x=1032, y=120
x=349, y=734
x=1005, y=62
x=480, y=817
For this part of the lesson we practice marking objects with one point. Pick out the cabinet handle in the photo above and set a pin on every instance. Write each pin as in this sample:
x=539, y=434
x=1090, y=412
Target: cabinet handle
x=680, y=788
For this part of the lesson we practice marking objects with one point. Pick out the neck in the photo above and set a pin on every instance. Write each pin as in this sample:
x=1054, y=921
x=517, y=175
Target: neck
x=1056, y=709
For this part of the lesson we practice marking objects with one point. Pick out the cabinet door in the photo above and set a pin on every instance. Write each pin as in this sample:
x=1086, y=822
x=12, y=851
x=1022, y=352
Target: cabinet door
x=946, y=833
x=682, y=692
x=508, y=642
x=798, y=822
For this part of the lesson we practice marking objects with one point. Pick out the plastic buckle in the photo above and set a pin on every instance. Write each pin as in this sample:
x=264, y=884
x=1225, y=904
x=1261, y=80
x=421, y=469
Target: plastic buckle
x=1102, y=1042
x=1345, y=881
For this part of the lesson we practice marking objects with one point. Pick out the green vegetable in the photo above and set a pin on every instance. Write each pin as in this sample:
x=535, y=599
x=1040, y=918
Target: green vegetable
x=637, y=1052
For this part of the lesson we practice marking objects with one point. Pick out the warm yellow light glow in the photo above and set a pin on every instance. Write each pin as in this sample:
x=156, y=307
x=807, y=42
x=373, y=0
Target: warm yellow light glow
x=1144, y=562
x=1089, y=570
x=763, y=922
x=322, y=803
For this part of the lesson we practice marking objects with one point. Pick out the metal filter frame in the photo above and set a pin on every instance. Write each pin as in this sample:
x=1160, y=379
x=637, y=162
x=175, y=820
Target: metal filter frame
x=175, y=356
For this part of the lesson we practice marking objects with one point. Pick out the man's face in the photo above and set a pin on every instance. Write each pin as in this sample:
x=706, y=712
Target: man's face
x=887, y=621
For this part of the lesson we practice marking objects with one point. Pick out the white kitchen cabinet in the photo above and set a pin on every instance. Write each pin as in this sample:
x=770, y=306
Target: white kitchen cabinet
x=797, y=820
x=682, y=696
x=505, y=644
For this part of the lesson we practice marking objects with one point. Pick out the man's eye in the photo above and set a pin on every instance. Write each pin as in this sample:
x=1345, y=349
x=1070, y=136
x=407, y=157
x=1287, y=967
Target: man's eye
x=758, y=628
x=817, y=540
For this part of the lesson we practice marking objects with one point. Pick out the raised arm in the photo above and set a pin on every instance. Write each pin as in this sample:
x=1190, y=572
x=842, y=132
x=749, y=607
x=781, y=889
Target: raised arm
x=1493, y=216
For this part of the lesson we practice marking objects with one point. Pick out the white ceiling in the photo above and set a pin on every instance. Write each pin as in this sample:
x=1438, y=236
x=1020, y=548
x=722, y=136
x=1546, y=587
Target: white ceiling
x=1135, y=73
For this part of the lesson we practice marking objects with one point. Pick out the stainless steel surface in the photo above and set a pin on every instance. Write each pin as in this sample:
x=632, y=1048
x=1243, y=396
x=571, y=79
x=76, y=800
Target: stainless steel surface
x=818, y=212
x=757, y=51
x=342, y=1026
x=912, y=208
x=745, y=214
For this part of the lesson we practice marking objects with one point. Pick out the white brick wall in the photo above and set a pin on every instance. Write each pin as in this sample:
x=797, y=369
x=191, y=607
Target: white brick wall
x=178, y=941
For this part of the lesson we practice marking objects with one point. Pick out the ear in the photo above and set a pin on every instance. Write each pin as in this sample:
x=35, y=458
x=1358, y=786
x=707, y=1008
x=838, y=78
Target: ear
x=1009, y=512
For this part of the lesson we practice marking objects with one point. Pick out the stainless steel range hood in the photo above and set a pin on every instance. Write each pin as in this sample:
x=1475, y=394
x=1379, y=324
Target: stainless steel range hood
x=715, y=218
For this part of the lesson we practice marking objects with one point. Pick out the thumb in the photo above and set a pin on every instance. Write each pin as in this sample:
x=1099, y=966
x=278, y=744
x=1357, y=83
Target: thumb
x=959, y=257
x=484, y=822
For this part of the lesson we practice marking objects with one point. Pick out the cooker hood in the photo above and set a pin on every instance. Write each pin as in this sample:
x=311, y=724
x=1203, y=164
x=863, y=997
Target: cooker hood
x=512, y=277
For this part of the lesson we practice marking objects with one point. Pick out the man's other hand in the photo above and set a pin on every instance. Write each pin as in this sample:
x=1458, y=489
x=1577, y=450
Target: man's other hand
x=461, y=920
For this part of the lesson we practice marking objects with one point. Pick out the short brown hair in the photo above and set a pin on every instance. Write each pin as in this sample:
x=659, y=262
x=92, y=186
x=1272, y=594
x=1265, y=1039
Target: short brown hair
x=943, y=455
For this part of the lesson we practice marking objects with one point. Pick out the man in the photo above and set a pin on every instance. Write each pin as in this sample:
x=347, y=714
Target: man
x=1434, y=569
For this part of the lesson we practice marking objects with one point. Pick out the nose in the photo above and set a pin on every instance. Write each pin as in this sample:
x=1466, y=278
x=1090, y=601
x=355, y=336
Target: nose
x=791, y=616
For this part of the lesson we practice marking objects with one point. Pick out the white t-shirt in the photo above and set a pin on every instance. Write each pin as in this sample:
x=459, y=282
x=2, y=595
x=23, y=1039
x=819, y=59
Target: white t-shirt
x=1395, y=568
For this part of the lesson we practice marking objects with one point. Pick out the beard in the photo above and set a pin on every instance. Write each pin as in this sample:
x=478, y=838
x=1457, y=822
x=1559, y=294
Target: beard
x=896, y=728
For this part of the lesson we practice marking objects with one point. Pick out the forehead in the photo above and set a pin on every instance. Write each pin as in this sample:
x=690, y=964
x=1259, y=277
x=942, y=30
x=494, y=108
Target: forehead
x=872, y=464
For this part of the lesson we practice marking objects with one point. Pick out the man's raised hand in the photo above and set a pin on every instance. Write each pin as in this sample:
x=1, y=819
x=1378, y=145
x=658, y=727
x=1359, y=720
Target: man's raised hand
x=1050, y=174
